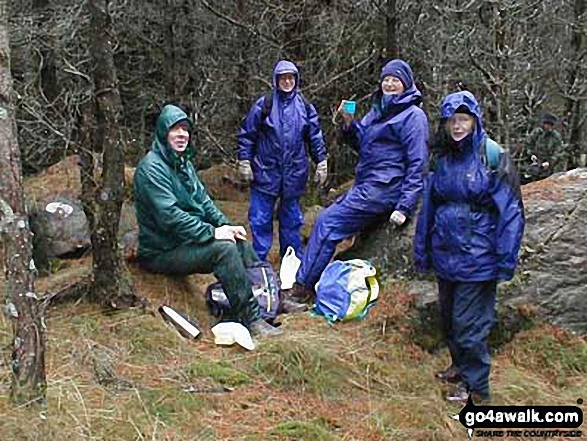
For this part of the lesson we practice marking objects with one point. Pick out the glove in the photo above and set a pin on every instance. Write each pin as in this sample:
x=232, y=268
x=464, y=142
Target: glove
x=225, y=232
x=321, y=173
x=398, y=217
x=245, y=171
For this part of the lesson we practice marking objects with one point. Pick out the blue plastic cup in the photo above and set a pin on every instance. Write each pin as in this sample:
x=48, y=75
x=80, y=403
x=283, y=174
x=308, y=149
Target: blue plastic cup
x=349, y=106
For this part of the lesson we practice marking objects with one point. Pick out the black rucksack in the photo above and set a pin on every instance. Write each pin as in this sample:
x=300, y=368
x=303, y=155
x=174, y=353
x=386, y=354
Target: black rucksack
x=265, y=286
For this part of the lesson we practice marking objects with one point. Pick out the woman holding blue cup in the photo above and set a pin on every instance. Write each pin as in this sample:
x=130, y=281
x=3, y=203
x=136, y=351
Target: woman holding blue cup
x=392, y=144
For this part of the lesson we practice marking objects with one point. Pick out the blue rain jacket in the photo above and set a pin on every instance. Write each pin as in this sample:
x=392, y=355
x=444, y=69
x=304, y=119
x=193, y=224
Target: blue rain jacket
x=276, y=147
x=472, y=219
x=392, y=145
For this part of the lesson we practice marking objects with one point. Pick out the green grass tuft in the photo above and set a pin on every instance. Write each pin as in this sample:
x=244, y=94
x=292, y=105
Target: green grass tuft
x=557, y=354
x=300, y=431
x=171, y=405
x=304, y=365
x=219, y=372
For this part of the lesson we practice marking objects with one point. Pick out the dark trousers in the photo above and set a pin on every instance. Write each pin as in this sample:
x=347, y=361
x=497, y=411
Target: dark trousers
x=468, y=311
x=291, y=220
x=226, y=259
x=348, y=216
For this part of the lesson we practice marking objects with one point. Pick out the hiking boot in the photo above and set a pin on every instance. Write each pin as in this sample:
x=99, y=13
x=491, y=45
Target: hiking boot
x=300, y=294
x=290, y=306
x=260, y=329
x=460, y=394
x=450, y=374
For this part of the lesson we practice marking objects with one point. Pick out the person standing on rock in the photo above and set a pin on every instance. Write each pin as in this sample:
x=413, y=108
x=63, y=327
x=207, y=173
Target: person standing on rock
x=181, y=231
x=272, y=157
x=469, y=232
x=392, y=144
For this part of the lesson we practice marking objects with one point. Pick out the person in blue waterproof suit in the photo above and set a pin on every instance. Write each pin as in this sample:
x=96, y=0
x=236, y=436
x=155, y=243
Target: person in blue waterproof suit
x=392, y=144
x=469, y=232
x=272, y=157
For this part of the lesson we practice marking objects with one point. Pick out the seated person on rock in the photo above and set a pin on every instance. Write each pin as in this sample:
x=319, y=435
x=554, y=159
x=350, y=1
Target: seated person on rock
x=392, y=144
x=181, y=231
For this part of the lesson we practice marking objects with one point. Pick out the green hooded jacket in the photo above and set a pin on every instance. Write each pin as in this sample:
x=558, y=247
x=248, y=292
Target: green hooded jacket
x=547, y=146
x=173, y=208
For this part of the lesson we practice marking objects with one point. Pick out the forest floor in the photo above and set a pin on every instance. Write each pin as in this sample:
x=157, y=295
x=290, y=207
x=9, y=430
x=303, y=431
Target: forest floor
x=127, y=376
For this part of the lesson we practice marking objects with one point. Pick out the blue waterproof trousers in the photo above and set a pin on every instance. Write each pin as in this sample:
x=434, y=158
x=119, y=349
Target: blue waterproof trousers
x=468, y=310
x=291, y=220
x=361, y=206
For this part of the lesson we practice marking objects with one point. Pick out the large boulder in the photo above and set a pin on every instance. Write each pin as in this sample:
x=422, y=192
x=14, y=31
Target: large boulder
x=61, y=229
x=388, y=247
x=553, y=267
x=58, y=220
x=552, y=274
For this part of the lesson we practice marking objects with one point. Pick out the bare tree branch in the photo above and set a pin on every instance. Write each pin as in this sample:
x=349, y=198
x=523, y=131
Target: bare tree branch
x=317, y=87
x=234, y=22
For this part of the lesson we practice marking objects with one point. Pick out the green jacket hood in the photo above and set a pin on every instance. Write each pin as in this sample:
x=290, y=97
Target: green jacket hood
x=169, y=116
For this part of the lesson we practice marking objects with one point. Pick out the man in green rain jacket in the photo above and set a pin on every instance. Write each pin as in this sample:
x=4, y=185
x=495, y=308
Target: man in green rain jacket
x=181, y=231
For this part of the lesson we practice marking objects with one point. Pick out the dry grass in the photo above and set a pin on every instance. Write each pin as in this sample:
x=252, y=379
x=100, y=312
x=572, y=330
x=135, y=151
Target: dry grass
x=128, y=377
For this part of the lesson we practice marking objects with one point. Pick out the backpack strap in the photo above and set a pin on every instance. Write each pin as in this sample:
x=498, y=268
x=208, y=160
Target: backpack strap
x=306, y=103
x=267, y=105
x=491, y=153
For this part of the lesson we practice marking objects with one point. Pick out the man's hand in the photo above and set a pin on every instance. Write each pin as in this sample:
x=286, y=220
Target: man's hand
x=245, y=171
x=321, y=173
x=225, y=232
x=230, y=232
x=397, y=217
x=545, y=164
x=240, y=233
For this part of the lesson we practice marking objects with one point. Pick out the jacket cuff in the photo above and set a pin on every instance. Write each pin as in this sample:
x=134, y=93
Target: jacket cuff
x=404, y=210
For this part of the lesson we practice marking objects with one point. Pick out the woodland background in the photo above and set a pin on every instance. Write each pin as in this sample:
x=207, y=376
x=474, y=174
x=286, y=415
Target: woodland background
x=521, y=58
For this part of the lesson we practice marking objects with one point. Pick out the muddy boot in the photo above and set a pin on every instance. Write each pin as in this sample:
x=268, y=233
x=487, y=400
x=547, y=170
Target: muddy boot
x=450, y=374
x=300, y=294
x=261, y=329
x=288, y=305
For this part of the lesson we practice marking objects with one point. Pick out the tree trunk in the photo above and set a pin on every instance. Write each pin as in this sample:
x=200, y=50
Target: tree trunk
x=242, y=79
x=392, y=23
x=170, y=52
x=577, y=89
x=49, y=86
x=294, y=34
x=111, y=284
x=23, y=308
x=499, y=88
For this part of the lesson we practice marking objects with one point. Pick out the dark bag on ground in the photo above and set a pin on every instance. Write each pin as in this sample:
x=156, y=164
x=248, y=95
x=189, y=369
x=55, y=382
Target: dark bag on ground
x=265, y=288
